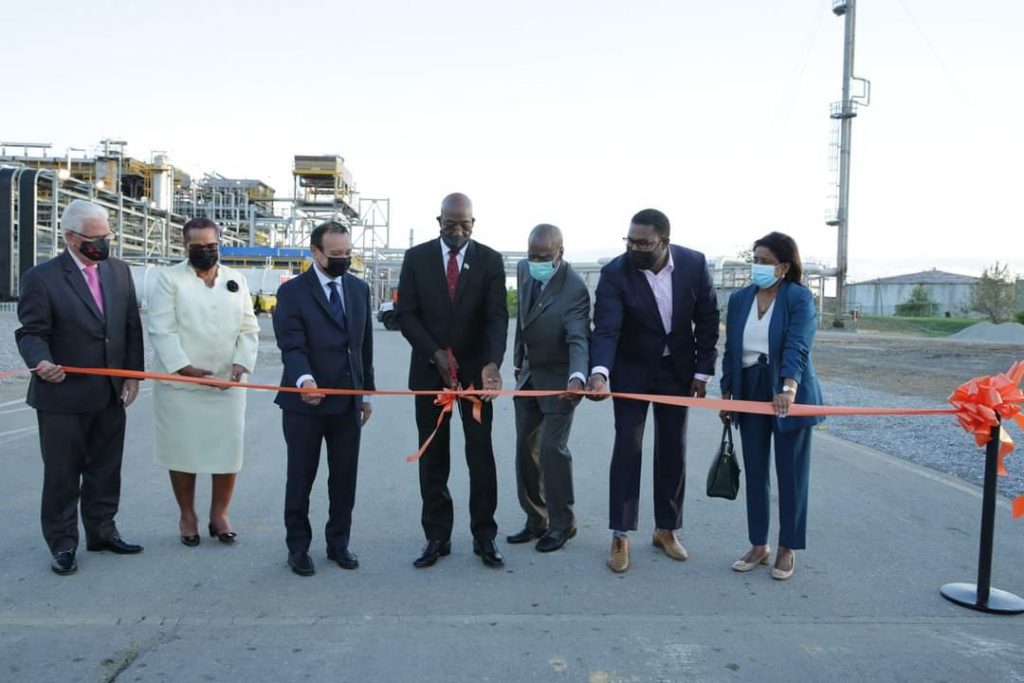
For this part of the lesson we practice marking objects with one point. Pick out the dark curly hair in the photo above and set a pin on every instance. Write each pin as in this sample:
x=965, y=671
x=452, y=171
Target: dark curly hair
x=784, y=248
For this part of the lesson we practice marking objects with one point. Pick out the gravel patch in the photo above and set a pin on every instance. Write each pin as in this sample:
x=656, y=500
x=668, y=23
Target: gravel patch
x=1004, y=333
x=937, y=441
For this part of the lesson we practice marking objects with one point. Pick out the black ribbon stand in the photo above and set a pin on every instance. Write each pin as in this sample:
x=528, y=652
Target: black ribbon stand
x=982, y=596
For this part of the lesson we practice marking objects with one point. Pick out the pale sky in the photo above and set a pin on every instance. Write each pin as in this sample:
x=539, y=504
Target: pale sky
x=575, y=113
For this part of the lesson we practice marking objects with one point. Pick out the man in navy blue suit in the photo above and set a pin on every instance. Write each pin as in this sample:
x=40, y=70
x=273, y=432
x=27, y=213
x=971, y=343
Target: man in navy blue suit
x=324, y=330
x=655, y=330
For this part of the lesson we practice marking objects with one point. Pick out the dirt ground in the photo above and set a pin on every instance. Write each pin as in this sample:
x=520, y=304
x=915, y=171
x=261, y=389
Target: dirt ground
x=908, y=366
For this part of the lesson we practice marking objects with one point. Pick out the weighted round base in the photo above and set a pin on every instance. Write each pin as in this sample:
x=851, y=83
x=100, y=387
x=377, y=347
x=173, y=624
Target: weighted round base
x=999, y=602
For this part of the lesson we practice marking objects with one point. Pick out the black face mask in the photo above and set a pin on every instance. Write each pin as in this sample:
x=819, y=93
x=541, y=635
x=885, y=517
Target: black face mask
x=338, y=265
x=97, y=250
x=203, y=260
x=644, y=260
x=454, y=243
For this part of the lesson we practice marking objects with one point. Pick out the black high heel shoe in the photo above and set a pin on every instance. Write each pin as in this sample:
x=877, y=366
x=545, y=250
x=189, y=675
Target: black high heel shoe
x=190, y=541
x=223, y=537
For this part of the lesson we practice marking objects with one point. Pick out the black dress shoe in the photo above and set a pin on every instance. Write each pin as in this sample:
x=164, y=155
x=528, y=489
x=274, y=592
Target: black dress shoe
x=345, y=558
x=301, y=564
x=64, y=563
x=555, y=539
x=114, y=544
x=190, y=541
x=431, y=552
x=222, y=536
x=488, y=552
x=524, y=536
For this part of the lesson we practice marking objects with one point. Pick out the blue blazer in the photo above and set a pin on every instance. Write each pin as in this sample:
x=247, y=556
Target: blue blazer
x=790, y=337
x=629, y=337
x=313, y=342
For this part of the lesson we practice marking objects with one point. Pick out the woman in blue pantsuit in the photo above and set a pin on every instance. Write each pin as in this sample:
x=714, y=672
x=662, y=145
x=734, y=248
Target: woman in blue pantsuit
x=769, y=331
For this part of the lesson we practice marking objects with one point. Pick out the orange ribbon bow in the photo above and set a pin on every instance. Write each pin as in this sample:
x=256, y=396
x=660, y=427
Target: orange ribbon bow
x=986, y=402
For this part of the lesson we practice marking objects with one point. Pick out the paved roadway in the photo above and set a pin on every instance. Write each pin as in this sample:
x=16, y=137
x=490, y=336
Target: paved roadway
x=863, y=604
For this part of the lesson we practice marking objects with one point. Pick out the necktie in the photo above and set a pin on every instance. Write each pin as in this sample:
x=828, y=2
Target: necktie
x=92, y=278
x=535, y=295
x=335, y=301
x=453, y=274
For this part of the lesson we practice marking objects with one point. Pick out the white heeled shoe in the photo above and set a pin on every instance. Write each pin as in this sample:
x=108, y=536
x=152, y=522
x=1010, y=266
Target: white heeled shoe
x=783, y=574
x=743, y=565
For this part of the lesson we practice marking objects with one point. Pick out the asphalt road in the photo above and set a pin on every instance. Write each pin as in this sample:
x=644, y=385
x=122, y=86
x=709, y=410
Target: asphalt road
x=864, y=603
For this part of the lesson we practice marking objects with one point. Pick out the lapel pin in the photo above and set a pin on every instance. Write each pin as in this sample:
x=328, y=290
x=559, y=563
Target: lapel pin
x=465, y=266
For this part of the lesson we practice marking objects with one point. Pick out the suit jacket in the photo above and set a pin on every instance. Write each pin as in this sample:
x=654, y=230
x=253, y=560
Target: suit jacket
x=629, y=336
x=313, y=342
x=475, y=326
x=552, y=334
x=790, y=337
x=61, y=323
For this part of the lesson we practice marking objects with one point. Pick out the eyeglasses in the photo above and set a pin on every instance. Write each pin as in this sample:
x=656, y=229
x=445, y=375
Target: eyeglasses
x=204, y=247
x=94, y=238
x=641, y=245
x=450, y=226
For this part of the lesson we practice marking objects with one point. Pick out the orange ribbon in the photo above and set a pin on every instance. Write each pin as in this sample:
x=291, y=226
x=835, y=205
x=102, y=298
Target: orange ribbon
x=447, y=399
x=978, y=405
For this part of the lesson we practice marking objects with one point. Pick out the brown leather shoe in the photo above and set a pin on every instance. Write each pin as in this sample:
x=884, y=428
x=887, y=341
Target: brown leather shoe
x=618, y=559
x=667, y=541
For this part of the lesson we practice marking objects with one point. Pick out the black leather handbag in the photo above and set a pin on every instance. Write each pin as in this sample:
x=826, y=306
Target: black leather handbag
x=724, y=475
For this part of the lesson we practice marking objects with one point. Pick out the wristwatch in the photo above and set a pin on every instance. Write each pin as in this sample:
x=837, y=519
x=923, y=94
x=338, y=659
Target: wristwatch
x=789, y=390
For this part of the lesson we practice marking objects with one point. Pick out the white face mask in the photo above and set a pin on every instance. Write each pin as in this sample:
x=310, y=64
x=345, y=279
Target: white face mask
x=763, y=275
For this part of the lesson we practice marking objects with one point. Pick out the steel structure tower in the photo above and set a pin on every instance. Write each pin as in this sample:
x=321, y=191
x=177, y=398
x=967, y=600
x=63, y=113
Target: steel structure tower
x=843, y=113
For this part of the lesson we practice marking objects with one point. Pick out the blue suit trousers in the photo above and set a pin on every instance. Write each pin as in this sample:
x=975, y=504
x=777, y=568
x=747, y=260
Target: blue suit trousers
x=792, y=467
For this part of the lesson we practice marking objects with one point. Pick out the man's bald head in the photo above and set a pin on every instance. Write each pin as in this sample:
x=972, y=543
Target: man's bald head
x=456, y=202
x=456, y=220
x=545, y=243
x=546, y=235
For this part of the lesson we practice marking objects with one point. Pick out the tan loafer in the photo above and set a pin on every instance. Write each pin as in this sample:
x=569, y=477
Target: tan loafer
x=667, y=541
x=745, y=565
x=618, y=559
x=783, y=574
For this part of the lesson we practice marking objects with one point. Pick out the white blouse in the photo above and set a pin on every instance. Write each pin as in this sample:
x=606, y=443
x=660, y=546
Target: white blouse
x=755, y=334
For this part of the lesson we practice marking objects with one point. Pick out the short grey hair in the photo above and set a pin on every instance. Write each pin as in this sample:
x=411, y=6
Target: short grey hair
x=78, y=211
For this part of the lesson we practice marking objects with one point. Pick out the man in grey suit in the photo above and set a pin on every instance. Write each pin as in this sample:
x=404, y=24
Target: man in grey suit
x=79, y=309
x=551, y=353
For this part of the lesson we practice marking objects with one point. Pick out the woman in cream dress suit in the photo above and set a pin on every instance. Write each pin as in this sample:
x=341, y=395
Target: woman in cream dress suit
x=201, y=324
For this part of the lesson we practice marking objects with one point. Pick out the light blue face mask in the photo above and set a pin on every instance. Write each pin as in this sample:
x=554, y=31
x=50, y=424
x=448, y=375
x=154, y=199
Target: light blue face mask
x=763, y=275
x=542, y=270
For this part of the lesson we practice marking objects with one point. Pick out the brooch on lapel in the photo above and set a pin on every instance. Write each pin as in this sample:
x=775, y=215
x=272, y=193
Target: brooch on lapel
x=232, y=286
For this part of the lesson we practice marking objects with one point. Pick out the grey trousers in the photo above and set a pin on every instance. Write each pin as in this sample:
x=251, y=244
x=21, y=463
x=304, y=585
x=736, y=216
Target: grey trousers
x=544, y=463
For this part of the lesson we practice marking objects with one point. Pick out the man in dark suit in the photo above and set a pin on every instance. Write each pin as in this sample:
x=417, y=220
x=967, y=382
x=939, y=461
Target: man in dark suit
x=79, y=309
x=552, y=332
x=325, y=333
x=655, y=330
x=452, y=308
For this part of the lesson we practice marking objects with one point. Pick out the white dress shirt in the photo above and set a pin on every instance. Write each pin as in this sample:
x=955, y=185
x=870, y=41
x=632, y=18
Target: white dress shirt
x=78, y=261
x=661, y=286
x=755, y=334
x=325, y=283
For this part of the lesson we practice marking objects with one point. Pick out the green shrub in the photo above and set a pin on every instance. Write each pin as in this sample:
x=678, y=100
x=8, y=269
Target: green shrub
x=1019, y=315
x=919, y=305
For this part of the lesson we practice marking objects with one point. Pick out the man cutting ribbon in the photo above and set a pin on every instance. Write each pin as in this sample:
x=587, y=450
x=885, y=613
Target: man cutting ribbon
x=452, y=309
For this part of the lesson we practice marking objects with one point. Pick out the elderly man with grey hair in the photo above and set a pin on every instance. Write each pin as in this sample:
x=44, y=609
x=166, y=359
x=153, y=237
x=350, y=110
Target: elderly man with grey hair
x=79, y=309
